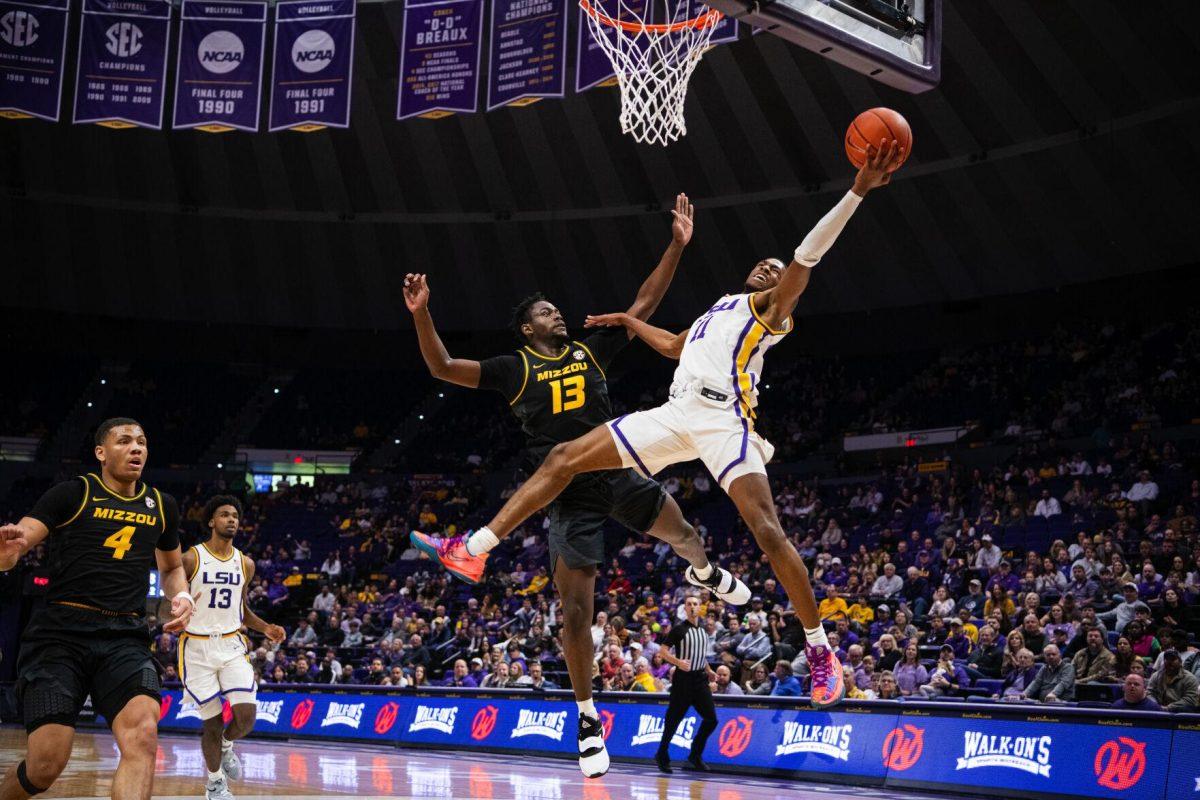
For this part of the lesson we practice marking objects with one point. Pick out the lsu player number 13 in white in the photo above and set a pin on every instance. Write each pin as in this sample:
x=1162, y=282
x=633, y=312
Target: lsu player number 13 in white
x=214, y=654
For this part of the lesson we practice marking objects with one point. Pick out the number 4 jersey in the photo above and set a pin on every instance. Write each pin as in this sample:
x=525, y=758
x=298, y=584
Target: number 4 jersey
x=102, y=544
x=219, y=583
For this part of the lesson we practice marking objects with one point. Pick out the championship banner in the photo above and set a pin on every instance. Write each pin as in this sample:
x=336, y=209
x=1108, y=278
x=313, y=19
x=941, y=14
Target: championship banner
x=314, y=64
x=592, y=66
x=122, y=63
x=528, y=55
x=218, y=84
x=33, y=48
x=439, y=58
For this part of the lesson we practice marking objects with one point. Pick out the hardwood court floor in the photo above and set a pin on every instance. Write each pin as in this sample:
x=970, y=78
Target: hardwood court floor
x=279, y=770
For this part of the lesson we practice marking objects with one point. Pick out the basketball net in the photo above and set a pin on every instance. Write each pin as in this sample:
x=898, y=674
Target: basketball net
x=653, y=60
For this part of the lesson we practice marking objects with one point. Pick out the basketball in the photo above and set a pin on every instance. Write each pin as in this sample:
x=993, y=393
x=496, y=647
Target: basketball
x=874, y=125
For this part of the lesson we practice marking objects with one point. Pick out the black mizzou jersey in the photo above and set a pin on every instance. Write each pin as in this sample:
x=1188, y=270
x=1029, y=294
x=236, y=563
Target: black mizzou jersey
x=557, y=398
x=102, y=544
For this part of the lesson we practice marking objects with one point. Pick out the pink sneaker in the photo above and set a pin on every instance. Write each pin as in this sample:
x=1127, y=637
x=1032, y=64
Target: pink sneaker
x=828, y=684
x=452, y=554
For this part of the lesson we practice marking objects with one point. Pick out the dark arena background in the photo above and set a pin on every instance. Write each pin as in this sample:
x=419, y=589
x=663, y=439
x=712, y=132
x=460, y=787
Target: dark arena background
x=993, y=385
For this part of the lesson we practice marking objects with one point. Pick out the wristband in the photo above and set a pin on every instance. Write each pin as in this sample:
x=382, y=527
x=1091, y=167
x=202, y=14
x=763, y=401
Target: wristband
x=186, y=596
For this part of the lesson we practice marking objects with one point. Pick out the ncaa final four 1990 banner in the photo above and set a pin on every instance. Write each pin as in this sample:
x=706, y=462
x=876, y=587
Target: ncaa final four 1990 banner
x=122, y=63
x=314, y=64
x=528, y=57
x=218, y=82
x=33, y=46
x=439, y=58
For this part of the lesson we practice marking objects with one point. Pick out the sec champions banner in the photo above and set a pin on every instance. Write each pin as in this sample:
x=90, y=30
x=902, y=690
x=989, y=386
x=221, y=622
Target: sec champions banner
x=314, y=65
x=439, y=58
x=33, y=46
x=122, y=63
x=218, y=84
x=528, y=54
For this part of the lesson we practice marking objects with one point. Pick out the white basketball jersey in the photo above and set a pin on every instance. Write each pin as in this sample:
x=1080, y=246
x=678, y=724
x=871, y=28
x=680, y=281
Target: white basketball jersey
x=220, y=584
x=724, y=353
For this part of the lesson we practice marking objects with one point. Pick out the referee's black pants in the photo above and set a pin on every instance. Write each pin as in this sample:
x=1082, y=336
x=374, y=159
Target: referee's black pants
x=689, y=690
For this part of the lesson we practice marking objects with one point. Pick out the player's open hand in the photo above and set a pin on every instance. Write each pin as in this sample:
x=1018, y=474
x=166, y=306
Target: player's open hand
x=275, y=634
x=605, y=320
x=181, y=612
x=416, y=292
x=681, y=228
x=12, y=545
x=882, y=161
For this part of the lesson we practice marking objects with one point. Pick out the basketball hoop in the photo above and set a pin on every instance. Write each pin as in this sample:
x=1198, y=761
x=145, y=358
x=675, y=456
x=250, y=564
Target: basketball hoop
x=653, y=60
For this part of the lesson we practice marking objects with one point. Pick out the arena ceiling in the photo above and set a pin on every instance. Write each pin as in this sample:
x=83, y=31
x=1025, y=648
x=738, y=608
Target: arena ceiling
x=1059, y=148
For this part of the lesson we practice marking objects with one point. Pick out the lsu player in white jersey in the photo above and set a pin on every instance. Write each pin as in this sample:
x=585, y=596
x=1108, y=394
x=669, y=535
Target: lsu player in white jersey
x=710, y=416
x=214, y=655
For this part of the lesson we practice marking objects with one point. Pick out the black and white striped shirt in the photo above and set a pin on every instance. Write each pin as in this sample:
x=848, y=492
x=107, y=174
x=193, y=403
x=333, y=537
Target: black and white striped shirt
x=690, y=643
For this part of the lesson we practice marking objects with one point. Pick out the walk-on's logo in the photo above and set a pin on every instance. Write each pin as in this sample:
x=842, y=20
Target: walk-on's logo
x=386, y=717
x=903, y=747
x=650, y=731
x=540, y=723
x=302, y=713
x=431, y=718
x=164, y=706
x=484, y=722
x=1120, y=763
x=348, y=714
x=1026, y=753
x=734, y=738
x=825, y=740
x=269, y=710
x=607, y=718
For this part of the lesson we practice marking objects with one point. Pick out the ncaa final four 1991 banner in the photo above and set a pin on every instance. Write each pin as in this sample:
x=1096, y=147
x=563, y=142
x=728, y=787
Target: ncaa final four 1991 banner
x=33, y=46
x=314, y=64
x=122, y=63
x=218, y=84
x=439, y=58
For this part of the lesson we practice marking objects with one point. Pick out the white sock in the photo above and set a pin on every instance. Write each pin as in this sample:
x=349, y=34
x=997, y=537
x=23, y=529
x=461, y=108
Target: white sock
x=213, y=777
x=226, y=744
x=816, y=636
x=482, y=541
x=588, y=707
x=705, y=572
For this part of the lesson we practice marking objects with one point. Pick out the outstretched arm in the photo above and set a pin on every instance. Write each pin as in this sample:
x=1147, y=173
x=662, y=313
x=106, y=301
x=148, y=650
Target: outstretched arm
x=777, y=304
x=441, y=366
x=253, y=621
x=655, y=286
x=665, y=342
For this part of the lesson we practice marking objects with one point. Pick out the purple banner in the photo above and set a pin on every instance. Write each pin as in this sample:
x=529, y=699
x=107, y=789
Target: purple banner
x=592, y=65
x=218, y=84
x=528, y=56
x=122, y=63
x=33, y=47
x=726, y=30
x=439, y=58
x=314, y=65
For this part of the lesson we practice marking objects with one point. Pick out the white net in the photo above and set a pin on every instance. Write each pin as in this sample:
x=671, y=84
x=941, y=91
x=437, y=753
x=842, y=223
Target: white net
x=654, y=46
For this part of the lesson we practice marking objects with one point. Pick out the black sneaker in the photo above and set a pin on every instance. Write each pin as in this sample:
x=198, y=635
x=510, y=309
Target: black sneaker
x=664, y=764
x=722, y=583
x=695, y=765
x=593, y=757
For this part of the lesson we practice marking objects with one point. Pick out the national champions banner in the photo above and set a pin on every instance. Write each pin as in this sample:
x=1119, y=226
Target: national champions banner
x=218, y=84
x=439, y=58
x=33, y=47
x=313, y=66
x=122, y=63
x=528, y=56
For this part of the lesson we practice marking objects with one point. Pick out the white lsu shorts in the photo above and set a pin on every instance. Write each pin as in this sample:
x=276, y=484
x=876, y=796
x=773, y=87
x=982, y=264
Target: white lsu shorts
x=687, y=427
x=212, y=667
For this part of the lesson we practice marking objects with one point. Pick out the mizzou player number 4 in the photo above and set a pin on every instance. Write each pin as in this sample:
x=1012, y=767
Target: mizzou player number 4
x=105, y=532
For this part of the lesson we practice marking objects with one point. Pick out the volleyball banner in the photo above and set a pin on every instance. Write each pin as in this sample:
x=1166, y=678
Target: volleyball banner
x=218, y=84
x=528, y=56
x=122, y=63
x=314, y=65
x=439, y=58
x=33, y=48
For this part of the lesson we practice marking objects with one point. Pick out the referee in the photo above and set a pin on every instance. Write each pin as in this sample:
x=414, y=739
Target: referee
x=689, y=687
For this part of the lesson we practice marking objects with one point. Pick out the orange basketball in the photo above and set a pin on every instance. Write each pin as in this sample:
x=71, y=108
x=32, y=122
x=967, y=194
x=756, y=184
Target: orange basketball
x=875, y=125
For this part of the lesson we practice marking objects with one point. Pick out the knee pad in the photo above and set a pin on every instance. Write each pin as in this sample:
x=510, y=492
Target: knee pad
x=23, y=779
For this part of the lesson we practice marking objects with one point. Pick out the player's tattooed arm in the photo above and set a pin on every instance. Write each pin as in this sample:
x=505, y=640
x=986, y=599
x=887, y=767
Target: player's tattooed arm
x=442, y=366
x=655, y=286
x=253, y=621
x=667, y=343
x=17, y=540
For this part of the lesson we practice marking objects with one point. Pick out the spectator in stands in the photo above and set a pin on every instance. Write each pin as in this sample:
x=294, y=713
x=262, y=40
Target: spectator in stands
x=497, y=679
x=1055, y=683
x=942, y=605
x=536, y=679
x=611, y=663
x=1173, y=687
x=303, y=636
x=883, y=621
x=1150, y=586
x=1173, y=612
x=755, y=645
x=974, y=600
x=1095, y=663
x=947, y=678
x=759, y=681
x=1134, y=697
x=860, y=613
x=958, y=641
x=989, y=555
x=888, y=690
x=1034, y=636
x=1144, y=491
x=833, y=607
x=277, y=593
x=331, y=567
x=910, y=673
x=1006, y=578
x=999, y=601
x=354, y=637
x=1144, y=643
x=784, y=683
x=1019, y=677
x=1048, y=506
x=460, y=676
x=889, y=654
x=598, y=630
x=323, y=603
x=1179, y=640
x=723, y=682
x=888, y=585
x=1014, y=643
